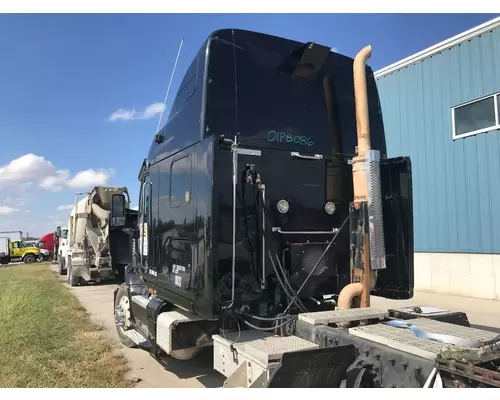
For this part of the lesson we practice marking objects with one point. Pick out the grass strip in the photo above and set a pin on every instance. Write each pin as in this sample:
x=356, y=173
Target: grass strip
x=47, y=338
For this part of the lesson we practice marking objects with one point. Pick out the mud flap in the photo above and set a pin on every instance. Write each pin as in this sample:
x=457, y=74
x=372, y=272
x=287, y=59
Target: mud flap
x=318, y=368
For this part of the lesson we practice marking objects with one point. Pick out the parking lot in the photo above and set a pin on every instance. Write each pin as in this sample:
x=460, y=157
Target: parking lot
x=147, y=372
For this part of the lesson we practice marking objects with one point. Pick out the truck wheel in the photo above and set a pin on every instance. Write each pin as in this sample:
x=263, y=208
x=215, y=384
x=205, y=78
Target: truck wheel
x=29, y=259
x=73, y=280
x=123, y=316
x=62, y=266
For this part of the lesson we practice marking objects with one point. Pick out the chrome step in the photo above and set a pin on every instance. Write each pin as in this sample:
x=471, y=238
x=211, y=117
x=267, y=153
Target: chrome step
x=140, y=300
x=137, y=337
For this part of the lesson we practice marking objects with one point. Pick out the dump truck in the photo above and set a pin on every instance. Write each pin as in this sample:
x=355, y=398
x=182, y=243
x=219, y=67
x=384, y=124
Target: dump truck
x=264, y=229
x=17, y=250
x=93, y=252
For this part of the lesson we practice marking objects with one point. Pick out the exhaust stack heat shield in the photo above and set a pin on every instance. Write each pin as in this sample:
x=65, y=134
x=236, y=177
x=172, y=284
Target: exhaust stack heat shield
x=375, y=213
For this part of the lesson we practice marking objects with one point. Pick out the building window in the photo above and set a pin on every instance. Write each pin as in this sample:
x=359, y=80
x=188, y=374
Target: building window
x=478, y=116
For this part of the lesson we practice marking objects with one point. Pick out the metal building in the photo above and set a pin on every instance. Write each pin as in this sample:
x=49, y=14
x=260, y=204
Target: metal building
x=441, y=107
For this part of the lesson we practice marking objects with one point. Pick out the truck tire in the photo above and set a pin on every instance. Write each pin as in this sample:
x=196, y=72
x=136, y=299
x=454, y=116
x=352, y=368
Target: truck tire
x=5, y=260
x=122, y=300
x=29, y=258
x=62, y=266
x=72, y=279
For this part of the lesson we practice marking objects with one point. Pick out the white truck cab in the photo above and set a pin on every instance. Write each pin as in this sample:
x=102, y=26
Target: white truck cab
x=63, y=249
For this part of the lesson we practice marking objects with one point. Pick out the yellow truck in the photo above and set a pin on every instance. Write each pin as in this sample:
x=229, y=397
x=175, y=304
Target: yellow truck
x=16, y=250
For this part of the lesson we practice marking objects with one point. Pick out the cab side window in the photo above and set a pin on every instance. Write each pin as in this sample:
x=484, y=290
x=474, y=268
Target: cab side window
x=144, y=208
x=180, y=182
x=146, y=199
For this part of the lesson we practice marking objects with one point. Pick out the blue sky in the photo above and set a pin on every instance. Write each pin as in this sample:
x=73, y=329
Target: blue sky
x=63, y=76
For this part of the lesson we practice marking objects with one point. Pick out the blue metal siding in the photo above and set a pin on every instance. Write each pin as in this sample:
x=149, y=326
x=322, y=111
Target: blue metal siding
x=456, y=184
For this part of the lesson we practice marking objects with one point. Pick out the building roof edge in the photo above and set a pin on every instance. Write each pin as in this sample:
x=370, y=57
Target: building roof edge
x=445, y=44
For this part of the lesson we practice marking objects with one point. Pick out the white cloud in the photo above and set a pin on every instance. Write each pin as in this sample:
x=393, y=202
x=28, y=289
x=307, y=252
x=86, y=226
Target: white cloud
x=91, y=177
x=65, y=207
x=82, y=180
x=56, y=181
x=25, y=179
x=127, y=114
x=135, y=208
x=25, y=168
x=19, y=175
x=8, y=210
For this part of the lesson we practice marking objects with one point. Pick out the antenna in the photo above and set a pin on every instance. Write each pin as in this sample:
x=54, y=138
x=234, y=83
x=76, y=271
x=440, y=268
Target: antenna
x=169, y=85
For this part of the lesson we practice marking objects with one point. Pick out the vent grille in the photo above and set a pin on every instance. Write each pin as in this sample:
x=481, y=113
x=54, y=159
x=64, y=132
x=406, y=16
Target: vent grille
x=311, y=256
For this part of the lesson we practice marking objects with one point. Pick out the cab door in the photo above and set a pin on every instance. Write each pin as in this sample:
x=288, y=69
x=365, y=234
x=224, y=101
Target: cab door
x=144, y=226
x=16, y=249
x=147, y=221
x=176, y=242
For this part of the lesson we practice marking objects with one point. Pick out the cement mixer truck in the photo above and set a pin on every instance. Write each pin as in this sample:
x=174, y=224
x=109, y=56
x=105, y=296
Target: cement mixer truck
x=95, y=252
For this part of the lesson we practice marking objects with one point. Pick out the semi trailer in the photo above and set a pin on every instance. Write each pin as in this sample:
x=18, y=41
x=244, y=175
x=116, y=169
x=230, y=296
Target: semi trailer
x=269, y=213
x=90, y=249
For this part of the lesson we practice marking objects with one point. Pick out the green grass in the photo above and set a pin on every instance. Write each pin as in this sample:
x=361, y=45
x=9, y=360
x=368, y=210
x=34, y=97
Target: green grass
x=47, y=338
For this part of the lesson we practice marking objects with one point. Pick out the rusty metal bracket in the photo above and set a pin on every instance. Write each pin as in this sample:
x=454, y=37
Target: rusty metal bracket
x=469, y=371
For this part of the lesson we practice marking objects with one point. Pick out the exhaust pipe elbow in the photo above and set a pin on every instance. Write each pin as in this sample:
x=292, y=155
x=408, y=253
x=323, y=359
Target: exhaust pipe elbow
x=352, y=290
x=348, y=294
x=361, y=100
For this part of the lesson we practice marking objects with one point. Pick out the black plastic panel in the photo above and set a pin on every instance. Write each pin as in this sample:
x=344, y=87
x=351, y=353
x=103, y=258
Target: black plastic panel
x=397, y=280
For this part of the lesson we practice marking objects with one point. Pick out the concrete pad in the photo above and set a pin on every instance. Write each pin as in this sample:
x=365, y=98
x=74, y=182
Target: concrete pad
x=482, y=314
